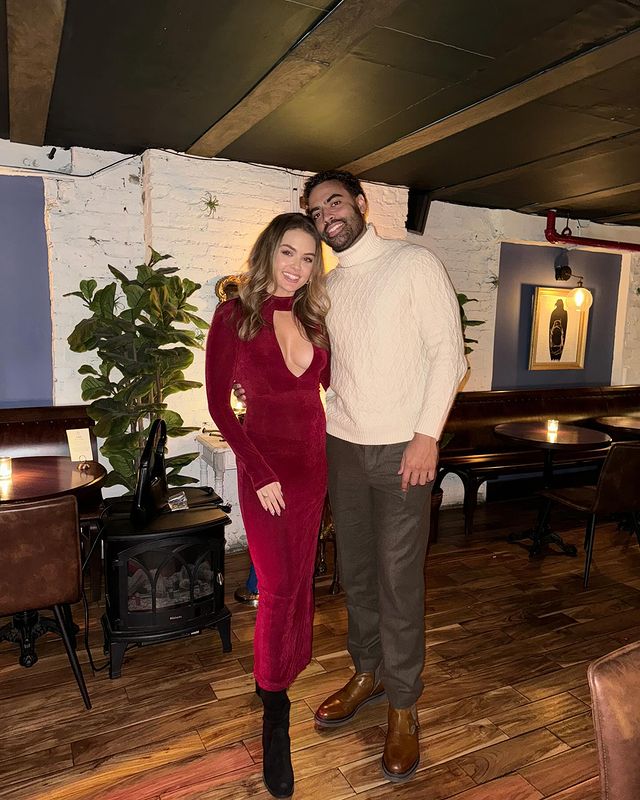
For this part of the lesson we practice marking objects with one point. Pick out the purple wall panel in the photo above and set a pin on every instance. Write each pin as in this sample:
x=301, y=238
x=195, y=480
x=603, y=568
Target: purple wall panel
x=26, y=371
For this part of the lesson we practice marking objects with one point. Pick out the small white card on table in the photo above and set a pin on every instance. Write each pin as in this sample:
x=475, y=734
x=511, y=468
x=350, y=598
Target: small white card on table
x=79, y=444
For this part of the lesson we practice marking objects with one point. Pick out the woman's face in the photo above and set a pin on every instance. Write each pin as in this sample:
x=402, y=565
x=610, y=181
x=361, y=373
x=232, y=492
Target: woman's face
x=293, y=262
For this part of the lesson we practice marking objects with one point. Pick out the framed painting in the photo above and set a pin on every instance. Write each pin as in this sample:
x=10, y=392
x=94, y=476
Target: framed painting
x=558, y=331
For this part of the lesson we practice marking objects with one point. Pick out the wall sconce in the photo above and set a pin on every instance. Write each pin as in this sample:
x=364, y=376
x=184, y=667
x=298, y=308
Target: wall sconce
x=581, y=298
x=5, y=468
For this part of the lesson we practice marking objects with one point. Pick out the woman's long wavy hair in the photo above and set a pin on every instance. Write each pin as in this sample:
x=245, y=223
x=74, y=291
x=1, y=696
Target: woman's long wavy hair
x=311, y=302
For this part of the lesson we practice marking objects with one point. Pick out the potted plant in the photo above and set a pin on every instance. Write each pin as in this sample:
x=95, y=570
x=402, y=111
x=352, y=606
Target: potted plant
x=144, y=331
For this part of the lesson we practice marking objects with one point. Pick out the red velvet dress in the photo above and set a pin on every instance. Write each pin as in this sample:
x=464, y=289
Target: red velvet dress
x=282, y=439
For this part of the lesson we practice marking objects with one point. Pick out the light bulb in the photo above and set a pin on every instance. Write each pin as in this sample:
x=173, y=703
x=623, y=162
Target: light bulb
x=581, y=298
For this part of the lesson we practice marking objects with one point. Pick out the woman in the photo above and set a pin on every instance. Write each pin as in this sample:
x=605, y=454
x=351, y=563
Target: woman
x=272, y=339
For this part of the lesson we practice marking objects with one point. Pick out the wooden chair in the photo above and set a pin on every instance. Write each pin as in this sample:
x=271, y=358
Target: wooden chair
x=614, y=681
x=616, y=492
x=41, y=568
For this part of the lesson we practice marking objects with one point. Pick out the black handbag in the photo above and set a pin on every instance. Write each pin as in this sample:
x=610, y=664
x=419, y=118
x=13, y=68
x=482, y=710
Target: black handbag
x=151, y=487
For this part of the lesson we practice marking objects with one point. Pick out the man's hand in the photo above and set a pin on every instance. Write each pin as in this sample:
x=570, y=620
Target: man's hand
x=271, y=498
x=240, y=393
x=419, y=461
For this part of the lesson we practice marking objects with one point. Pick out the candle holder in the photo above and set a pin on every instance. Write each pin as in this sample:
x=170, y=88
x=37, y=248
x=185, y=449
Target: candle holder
x=5, y=468
x=552, y=426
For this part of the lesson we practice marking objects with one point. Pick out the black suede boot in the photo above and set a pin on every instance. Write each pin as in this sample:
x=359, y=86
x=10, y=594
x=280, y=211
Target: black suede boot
x=276, y=745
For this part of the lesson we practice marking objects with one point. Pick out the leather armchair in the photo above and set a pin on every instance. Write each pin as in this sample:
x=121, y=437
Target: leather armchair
x=614, y=681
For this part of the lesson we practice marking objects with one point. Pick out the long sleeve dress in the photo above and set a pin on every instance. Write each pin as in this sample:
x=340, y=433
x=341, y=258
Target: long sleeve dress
x=282, y=439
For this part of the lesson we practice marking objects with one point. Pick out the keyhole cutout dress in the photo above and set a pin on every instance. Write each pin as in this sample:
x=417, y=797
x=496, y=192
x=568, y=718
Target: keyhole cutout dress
x=282, y=439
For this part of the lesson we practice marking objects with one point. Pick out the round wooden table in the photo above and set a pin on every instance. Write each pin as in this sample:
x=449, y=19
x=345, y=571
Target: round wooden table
x=37, y=478
x=49, y=476
x=627, y=427
x=567, y=437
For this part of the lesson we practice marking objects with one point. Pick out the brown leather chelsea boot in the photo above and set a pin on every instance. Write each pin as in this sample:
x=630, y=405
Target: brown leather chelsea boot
x=401, y=749
x=344, y=704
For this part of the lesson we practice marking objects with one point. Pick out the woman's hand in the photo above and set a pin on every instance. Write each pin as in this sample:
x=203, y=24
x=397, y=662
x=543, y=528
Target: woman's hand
x=271, y=498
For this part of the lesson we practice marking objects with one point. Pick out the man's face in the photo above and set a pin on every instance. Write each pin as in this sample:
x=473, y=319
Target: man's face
x=337, y=215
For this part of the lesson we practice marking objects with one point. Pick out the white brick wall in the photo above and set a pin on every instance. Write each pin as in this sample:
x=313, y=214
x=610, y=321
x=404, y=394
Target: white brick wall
x=157, y=200
x=91, y=222
x=204, y=246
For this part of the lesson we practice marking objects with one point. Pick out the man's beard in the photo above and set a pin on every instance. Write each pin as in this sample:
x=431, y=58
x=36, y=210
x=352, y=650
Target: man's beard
x=351, y=229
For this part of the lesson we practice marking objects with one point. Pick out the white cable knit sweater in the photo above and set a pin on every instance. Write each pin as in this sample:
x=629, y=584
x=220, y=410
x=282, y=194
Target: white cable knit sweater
x=397, y=354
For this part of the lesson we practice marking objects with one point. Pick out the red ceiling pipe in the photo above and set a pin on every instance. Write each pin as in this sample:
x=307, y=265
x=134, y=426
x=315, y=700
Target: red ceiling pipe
x=566, y=237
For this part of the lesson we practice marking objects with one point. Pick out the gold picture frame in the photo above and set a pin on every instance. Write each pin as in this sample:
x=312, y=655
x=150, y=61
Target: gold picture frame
x=558, y=331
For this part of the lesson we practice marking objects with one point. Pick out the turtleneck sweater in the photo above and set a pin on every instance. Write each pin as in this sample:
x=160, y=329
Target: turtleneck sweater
x=397, y=354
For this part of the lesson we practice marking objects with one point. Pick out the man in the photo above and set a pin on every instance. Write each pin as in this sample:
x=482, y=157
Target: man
x=396, y=361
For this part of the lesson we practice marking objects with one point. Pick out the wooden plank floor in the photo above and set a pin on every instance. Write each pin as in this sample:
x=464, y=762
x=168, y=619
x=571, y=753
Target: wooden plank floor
x=505, y=714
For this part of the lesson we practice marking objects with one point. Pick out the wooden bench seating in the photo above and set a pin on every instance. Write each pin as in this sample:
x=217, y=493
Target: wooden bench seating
x=476, y=454
x=41, y=431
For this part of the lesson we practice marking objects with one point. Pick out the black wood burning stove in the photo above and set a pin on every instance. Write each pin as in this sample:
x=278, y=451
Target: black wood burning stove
x=164, y=580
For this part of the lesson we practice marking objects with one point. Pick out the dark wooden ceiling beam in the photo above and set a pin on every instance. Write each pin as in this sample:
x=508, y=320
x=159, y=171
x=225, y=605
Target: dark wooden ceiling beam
x=593, y=62
x=603, y=146
x=633, y=216
x=330, y=40
x=578, y=199
x=34, y=31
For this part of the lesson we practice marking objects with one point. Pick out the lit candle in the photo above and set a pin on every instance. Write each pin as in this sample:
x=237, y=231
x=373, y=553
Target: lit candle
x=552, y=425
x=5, y=468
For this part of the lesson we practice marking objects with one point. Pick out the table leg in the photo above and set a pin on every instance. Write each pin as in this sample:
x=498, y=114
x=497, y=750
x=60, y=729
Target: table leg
x=541, y=536
x=27, y=626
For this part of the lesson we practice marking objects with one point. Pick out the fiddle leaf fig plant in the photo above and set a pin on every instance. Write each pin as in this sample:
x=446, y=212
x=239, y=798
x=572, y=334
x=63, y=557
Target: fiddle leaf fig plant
x=144, y=330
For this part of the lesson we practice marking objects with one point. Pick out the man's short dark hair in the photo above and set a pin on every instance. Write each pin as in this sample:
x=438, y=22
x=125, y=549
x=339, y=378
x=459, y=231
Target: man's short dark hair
x=347, y=179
